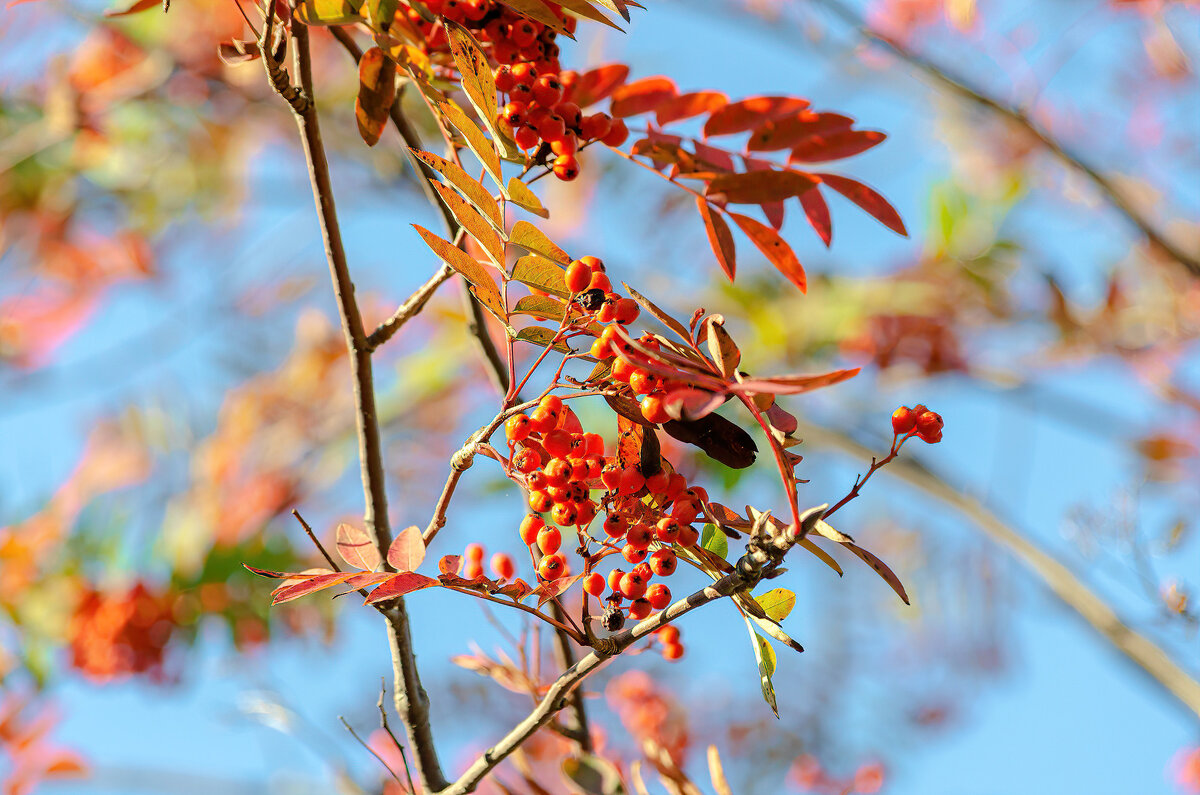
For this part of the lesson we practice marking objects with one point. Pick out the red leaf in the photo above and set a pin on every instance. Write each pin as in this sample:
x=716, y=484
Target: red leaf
x=516, y=590
x=817, y=213
x=692, y=404
x=719, y=237
x=793, y=384
x=751, y=113
x=398, y=585
x=365, y=579
x=316, y=583
x=271, y=575
x=450, y=564
x=140, y=5
x=781, y=420
x=835, y=146
x=718, y=158
x=356, y=547
x=789, y=132
x=642, y=96
x=759, y=186
x=774, y=248
x=868, y=199
x=685, y=106
x=407, y=550
x=593, y=86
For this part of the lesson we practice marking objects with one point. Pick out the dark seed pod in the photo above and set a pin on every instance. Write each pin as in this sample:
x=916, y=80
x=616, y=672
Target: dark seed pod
x=591, y=300
x=613, y=619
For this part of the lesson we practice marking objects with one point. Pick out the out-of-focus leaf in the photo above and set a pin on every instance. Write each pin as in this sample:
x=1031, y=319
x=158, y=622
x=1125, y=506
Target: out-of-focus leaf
x=329, y=12
x=835, y=146
x=356, y=547
x=685, y=106
x=788, y=132
x=599, y=83
x=774, y=248
x=758, y=187
x=592, y=775
x=717, y=772
x=407, y=550
x=140, y=5
x=764, y=655
x=376, y=90
x=236, y=51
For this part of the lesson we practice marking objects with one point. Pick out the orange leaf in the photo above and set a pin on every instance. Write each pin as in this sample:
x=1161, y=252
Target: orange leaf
x=751, y=113
x=835, y=146
x=376, y=90
x=757, y=187
x=685, y=106
x=482, y=284
x=140, y=5
x=793, y=384
x=356, y=547
x=817, y=213
x=868, y=199
x=789, y=132
x=881, y=569
x=642, y=96
x=774, y=248
x=599, y=83
x=407, y=549
x=398, y=585
x=720, y=238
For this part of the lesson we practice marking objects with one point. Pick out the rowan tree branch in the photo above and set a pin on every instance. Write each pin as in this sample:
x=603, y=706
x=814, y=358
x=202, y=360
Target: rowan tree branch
x=1139, y=649
x=765, y=550
x=412, y=703
x=964, y=88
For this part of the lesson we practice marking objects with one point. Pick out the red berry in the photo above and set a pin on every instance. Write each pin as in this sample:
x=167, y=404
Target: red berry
x=627, y=311
x=614, y=579
x=672, y=651
x=557, y=443
x=522, y=94
x=542, y=421
x=547, y=90
x=473, y=569
x=558, y=471
x=663, y=562
x=669, y=633
x=526, y=461
x=601, y=349
x=565, y=514
x=552, y=567
x=639, y=536
x=553, y=404
x=654, y=410
x=659, y=596
x=594, y=583
x=656, y=484
x=570, y=114
x=537, y=481
x=503, y=566
x=540, y=501
x=667, y=530
x=633, y=586
x=596, y=126
x=549, y=540
x=595, y=444
x=931, y=438
x=688, y=536
x=474, y=552
x=904, y=420
x=615, y=525
x=633, y=554
x=526, y=137
x=929, y=423
x=610, y=476
x=530, y=527
x=515, y=112
x=631, y=482
x=517, y=427
x=578, y=276
x=567, y=145
x=616, y=134
x=524, y=73
x=639, y=609
x=504, y=78
x=566, y=167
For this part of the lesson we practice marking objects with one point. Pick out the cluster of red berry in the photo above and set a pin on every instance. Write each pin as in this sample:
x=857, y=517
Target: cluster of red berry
x=918, y=421
x=117, y=634
x=502, y=564
x=540, y=114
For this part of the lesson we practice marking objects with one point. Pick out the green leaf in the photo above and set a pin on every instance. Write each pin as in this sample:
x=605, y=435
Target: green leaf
x=777, y=603
x=542, y=274
x=329, y=12
x=539, y=306
x=528, y=236
x=482, y=284
x=764, y=655
x=526, y=199
x=479, y=196
x=714, y=540
x=593, y=775
x=542, y=336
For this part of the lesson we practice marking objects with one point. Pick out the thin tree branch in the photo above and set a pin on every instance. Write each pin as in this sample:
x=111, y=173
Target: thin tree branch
x=576, y=726
x=964, y=88
x=1140, y=650
x=409, y=309
x=412, y=703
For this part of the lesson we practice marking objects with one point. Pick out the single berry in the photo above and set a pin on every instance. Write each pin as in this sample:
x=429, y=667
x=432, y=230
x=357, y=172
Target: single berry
x=565, y=514
x=614, y=579
x=668, y=634
x=632, y=554
x=627, y=311
x=903, y=420
x=617, y=134
x=654, y=410
x=615, y=525
x=594, y=583
x=503, y=566
x=929, y=423
x=658, y=595
x=552, y=567
x=526, y=461
x=517, y=427
x=672, y=651
x=663, y=562
x=474, y=552
x=578, y=276
x=639, y=536
x=547, y=90
x=549, y=540
x=566, y=167
x=633, y=586
x=667, y=530
x=526, y=137
x=639, y=609
x=540, y=501
x=631, y=482
x=688, y=536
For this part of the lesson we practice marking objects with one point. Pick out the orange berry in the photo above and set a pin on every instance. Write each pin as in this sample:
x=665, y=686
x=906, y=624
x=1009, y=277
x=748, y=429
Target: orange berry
x=663, y=562
x=578, y=276
x=601, y=349
x=903, y=420
x=558, y=471
x=633, y=586
x=565, y=514
x=557, y=443
x=474, y=552
x=594, y=583
x=549, y=540
x=600, y=282
x=654, y=410
x=526, y=461
x=667, y=530
x=540, y=501
x=616, y=134
x=929, y=423
x=526, y=137
x=639, y=536
x=615, y=525
x=473, y=569
x=517, y=427
x=631, y=482
x=672, y=651
x=627, y=311
x=688, y=536
x=566, y=167
x=639, y=609
x=530, y=527
x=503, y=566
x=658, y=595
x=668, y=634
x=633, y=554
x=552, y=567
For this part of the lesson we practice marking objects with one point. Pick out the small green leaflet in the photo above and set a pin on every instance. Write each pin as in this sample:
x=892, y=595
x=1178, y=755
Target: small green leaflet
x=777, y=603
x=542, y=336
x=764, y=655
x=714, y=541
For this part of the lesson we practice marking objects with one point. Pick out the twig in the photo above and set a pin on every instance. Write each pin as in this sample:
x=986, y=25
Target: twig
x=576, y=727
x=312, y=537
x=959, y=85
x=383, y=724
x=412, y=703
x=876, y=465
x=1062, y=581
x=409, y=309
x=371, y=751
